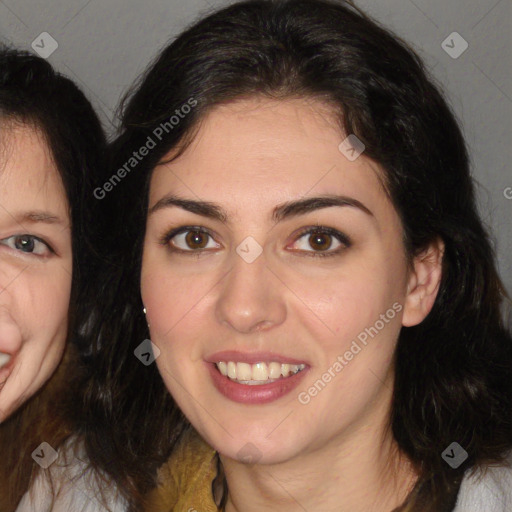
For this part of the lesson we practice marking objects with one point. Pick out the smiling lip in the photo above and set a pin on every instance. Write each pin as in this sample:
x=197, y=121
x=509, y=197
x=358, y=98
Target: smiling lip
x=257, y=394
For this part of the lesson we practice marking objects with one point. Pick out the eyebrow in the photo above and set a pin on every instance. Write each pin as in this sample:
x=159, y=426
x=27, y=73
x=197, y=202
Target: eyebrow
x=39, y=216
x=279, y=213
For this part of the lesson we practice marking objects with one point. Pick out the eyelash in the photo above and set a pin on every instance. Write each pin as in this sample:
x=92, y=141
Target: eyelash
x=34, y=239
x=324, y=230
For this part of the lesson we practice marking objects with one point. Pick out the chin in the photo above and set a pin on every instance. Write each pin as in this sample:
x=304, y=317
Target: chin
x=256, y=447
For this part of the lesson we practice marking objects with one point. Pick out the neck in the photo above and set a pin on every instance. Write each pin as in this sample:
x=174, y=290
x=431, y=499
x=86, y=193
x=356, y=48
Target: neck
x=362, y=471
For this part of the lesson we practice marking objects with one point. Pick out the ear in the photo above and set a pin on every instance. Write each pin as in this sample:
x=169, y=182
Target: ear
x=423, y=283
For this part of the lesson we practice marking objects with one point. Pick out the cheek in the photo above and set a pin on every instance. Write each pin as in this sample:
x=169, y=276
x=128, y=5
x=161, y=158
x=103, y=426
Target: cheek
x=339, y=308
x=173, y=298
x=168, y=298
x=46, y=304
x=177, y=307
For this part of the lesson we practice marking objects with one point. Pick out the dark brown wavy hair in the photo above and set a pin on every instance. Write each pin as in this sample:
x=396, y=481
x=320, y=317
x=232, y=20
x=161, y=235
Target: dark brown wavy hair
x=32, y=93
x=453, y=371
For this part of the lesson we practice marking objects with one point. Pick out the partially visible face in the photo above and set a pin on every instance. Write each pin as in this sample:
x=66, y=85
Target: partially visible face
x=35, y=266
x=260, y=298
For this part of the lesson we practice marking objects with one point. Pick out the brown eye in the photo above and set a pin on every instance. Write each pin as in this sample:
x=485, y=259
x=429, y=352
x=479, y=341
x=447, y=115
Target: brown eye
x=196, y=239
x=188, y=239
x=320, y=241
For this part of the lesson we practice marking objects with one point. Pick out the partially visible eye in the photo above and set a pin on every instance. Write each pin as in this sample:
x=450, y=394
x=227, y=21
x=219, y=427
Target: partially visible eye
x=190, y=239
x=28, y=244
x=323, y=241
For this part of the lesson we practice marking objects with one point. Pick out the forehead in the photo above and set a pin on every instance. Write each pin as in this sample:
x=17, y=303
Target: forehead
x=28, y=174
x=272, y=150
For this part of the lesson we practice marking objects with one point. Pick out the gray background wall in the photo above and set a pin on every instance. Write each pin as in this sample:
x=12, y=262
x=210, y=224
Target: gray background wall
x=104, y=45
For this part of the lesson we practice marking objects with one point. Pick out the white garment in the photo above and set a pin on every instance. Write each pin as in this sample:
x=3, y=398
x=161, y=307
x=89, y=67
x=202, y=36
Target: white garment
x=489, y=491
x=76, y=491
x=75, y=488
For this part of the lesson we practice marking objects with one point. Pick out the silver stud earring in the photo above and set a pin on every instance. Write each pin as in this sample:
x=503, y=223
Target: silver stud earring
x=145, y=312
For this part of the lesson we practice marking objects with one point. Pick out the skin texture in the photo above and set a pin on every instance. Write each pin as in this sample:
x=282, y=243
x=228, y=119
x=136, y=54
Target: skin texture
x=35, y=282
x=335, y=452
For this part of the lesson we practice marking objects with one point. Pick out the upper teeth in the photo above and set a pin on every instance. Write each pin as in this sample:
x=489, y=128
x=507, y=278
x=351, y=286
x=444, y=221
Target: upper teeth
x=4, y=359
x=258, y=371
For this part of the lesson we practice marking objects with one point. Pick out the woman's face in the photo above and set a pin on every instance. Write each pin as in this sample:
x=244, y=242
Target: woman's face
x=35, y=266
x=313, y=289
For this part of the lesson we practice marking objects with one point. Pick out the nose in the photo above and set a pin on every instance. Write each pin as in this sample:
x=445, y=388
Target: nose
x=251, y=298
